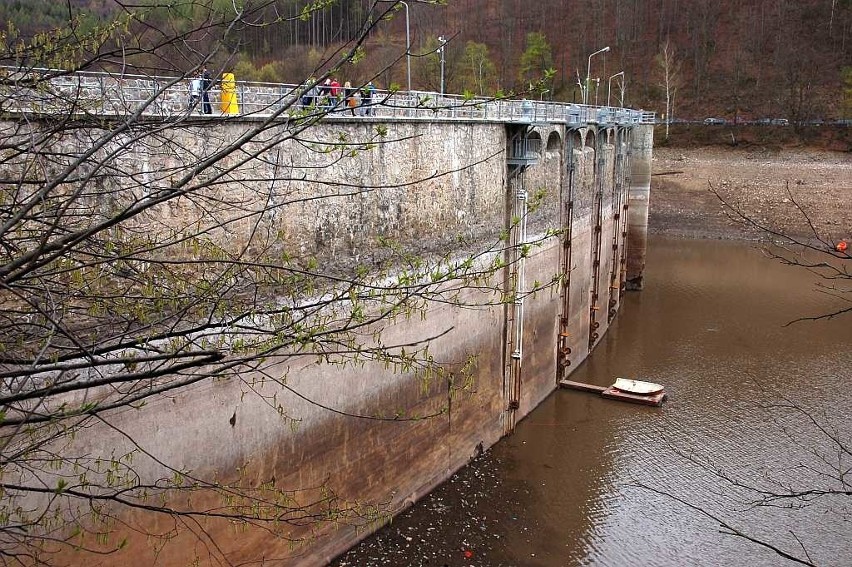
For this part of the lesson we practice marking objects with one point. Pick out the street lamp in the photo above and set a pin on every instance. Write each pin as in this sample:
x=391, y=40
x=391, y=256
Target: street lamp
x=441, y=51
x=609, y=86
x=407, y=45
x=589, y=73
x=407, y=39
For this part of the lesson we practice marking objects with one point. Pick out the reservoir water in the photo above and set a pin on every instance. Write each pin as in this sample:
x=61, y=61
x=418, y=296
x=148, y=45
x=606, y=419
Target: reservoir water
x=759, y=409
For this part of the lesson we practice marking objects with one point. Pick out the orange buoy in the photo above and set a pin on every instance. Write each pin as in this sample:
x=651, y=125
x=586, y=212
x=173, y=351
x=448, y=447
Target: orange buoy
x=841, y=246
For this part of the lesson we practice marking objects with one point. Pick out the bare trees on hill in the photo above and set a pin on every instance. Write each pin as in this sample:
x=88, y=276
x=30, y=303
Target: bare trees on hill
x=741, y=60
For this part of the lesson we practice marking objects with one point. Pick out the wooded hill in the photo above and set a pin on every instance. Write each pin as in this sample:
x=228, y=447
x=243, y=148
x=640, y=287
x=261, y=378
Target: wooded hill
x=744, y=60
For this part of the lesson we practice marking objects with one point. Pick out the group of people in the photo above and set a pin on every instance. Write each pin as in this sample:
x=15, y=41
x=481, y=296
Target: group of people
x=331, y=95
x=328, y=96
x=199, y=91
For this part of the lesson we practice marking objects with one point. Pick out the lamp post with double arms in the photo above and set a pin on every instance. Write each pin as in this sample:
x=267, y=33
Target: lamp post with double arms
x=589, y=73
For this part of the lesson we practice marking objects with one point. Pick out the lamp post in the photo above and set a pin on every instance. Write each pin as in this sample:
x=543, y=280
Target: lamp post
x=589, y=73
x=407, y=40
x=407, y=45
x=443, y=42
x=609, y=86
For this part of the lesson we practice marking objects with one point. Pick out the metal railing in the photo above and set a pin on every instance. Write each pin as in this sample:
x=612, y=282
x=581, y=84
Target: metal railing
x=45, y=91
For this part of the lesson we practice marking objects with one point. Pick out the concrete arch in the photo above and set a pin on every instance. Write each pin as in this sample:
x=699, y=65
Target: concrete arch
x=574, y=139
x=573, y=143
x=554, y=141
x=539, y=131
x=590, y=138
x=534, y=136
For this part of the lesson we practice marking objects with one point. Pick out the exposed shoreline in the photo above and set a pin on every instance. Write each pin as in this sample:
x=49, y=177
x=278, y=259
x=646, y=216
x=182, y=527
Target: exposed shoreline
x=769, y=186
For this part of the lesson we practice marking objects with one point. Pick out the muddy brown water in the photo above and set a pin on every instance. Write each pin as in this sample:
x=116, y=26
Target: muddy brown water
x=588, y=481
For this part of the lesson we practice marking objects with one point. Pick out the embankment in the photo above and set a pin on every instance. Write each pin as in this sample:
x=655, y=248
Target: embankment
x=800, y=191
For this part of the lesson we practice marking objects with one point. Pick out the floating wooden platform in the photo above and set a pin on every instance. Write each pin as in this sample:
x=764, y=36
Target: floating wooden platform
x=584, y=387
x=613, y=393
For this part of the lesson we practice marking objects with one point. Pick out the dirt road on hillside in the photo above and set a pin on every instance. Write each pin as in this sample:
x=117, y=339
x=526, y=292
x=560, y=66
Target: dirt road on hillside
x=767, y=186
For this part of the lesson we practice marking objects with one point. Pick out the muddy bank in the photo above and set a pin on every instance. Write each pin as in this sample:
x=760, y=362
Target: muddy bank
x=794, y=191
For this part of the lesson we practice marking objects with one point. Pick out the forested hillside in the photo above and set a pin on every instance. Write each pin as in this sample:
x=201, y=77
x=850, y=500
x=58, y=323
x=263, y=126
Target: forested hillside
x=743, y=59
x=751, y=57
x=30, y=16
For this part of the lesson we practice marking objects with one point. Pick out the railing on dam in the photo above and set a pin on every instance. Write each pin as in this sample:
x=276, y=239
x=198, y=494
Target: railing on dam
x=43, y=91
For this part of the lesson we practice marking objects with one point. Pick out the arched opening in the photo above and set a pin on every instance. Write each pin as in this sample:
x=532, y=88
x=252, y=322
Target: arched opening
x=575, y=141
x=554, y=141
x=535, y=142
x=589, y=139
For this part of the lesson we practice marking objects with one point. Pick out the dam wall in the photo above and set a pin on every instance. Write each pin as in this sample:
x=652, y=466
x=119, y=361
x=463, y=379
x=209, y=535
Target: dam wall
x=550, y=229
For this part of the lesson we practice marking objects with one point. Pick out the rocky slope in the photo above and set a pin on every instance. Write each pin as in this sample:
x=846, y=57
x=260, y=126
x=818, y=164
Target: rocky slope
x=805, y=193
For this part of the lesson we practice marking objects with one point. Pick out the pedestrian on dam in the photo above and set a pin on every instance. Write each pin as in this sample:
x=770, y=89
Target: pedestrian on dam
x=367, y=98
x=335, y=92
x=351, y=97
x=206, y=83
x=325, y=95
x=194, y=92
x=312, y=94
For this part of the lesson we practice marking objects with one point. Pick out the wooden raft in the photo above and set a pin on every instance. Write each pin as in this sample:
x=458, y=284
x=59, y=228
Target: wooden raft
x=612, y=393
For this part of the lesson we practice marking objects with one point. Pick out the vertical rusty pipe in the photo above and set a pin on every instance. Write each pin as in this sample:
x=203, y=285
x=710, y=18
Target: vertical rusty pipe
x=567, y=222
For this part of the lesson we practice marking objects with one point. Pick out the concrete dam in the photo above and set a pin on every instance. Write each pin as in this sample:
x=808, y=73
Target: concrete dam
x=532, y=215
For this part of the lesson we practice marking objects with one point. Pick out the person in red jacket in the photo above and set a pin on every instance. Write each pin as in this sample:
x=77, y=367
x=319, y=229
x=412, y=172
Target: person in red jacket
x=335, y=92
